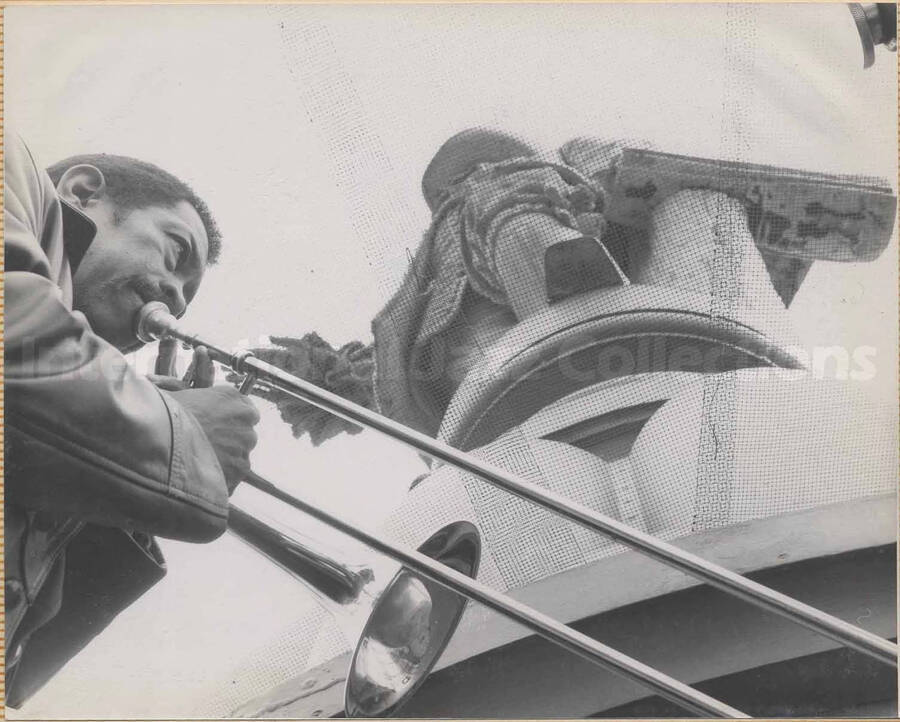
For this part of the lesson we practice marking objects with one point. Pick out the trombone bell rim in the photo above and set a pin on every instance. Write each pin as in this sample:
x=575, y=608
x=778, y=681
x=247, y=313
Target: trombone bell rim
x=458, y=546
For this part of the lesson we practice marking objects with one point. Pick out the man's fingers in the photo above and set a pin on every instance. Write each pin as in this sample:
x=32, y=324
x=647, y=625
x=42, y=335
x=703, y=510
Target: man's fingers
x=247, y=409
x=201, y=374
x=252, y=411
x=206, y=369
x=165, y=360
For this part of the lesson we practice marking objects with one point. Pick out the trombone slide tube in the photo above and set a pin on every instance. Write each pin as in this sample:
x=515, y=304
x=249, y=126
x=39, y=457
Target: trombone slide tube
x=155, y=322
x=718, y=576
x=551, y=629
x=328, y=577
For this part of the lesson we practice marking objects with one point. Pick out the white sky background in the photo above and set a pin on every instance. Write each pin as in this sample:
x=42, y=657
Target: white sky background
x=312, y=169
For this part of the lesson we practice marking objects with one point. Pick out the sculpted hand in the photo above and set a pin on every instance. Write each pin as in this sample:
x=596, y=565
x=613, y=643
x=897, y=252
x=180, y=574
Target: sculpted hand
x=346, y=371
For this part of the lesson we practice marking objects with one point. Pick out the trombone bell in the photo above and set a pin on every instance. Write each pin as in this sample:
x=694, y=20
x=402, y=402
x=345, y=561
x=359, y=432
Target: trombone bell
x=410, y=625
x=400, y=628
x=393, y=656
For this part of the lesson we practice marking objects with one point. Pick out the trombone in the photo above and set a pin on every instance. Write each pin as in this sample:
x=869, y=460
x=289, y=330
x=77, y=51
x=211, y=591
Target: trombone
x=154, y=322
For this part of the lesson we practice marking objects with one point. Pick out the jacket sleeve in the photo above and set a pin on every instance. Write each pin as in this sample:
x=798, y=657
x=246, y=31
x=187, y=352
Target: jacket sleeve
x=85, y=434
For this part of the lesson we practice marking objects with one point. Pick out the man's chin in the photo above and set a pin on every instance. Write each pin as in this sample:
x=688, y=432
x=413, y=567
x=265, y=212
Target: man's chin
x=124, y=340
x=110, y=327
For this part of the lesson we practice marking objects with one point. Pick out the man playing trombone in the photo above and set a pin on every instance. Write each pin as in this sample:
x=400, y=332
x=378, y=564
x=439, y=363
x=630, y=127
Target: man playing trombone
x=99, y=459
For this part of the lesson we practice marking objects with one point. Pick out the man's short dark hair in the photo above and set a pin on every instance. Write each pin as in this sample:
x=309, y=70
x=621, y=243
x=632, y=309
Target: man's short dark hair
x=134, y=184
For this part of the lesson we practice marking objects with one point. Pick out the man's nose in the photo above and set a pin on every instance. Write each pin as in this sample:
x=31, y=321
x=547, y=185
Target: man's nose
x=173, y=297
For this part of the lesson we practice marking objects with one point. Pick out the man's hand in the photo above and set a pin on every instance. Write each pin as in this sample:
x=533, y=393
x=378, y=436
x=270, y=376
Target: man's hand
x=228, y=419
x=223, y=413
x=200, y=374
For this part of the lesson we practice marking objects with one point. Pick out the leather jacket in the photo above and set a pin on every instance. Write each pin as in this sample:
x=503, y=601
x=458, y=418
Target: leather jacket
x=97, y=459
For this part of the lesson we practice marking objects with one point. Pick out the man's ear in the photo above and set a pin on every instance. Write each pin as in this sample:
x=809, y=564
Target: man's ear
x=82, y=185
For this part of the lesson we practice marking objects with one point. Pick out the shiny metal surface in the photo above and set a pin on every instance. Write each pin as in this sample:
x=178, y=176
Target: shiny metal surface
x=154, y=323
x=399, y=629
x=542, y=624
x=664, y=552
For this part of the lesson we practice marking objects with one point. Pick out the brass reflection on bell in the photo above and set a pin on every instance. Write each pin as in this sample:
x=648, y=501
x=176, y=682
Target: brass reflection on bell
x=399, y=626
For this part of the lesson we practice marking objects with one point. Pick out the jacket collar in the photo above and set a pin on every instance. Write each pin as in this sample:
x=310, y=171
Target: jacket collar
x=78, y=233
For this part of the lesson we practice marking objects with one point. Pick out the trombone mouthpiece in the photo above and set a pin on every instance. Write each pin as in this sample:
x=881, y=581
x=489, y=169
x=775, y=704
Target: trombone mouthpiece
x=152, y=321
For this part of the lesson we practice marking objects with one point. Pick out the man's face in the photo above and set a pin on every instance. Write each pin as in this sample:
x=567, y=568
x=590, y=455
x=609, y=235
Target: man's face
x=152, y=254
